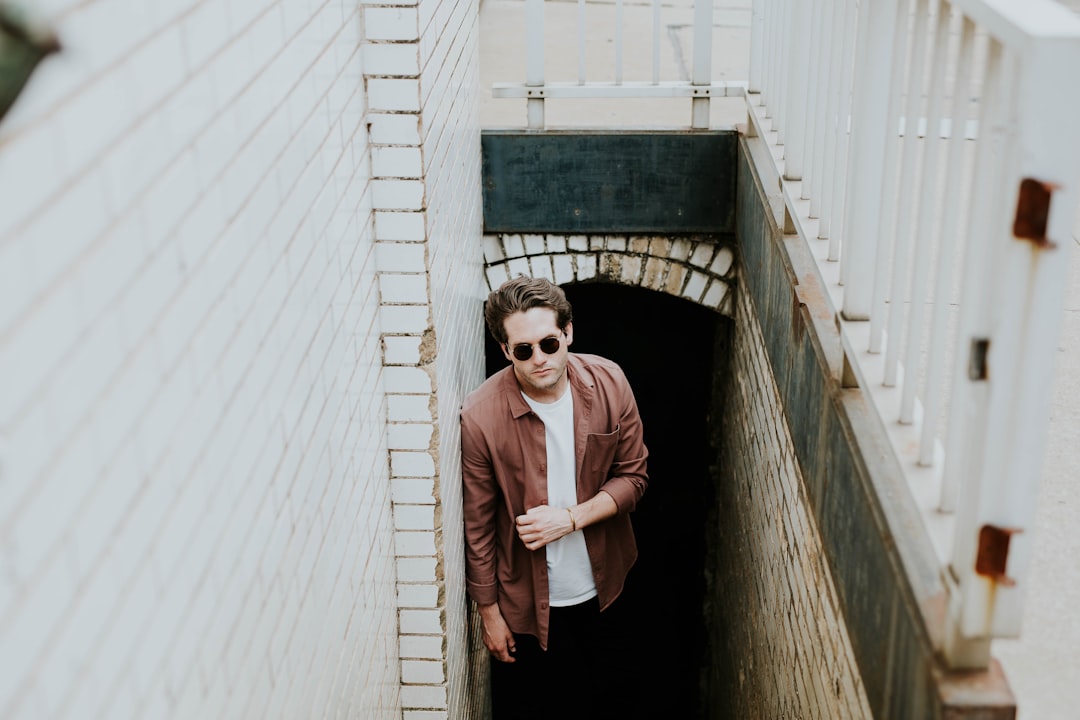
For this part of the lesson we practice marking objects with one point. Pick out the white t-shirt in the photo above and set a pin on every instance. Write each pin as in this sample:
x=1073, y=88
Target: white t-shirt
x=570, y=578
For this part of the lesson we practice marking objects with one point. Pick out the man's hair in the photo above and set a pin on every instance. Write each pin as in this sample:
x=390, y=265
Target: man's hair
x=521, y=294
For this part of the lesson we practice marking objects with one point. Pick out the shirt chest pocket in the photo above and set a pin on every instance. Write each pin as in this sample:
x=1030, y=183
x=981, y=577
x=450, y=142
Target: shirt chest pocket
x=600, y=451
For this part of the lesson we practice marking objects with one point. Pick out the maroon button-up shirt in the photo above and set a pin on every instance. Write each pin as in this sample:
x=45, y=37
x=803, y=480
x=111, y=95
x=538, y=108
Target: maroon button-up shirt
x=503, y=458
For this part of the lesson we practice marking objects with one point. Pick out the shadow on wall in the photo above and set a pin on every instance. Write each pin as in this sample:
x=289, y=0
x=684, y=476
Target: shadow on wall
x=665, y=345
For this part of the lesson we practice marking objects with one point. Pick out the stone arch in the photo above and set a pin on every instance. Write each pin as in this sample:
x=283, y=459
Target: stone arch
x=699, y=268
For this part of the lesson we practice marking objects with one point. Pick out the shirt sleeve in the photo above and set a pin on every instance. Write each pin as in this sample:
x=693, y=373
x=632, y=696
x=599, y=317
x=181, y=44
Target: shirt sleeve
x=628, y=476
x=480, y=497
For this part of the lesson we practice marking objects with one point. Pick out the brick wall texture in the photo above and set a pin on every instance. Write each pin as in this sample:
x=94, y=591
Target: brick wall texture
x=780, y=641
x=232, y=234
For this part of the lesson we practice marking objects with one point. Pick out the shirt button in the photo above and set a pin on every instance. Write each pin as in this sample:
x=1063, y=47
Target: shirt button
x=543, y=605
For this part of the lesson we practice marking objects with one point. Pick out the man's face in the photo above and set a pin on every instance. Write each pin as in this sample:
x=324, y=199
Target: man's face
x=542, y=377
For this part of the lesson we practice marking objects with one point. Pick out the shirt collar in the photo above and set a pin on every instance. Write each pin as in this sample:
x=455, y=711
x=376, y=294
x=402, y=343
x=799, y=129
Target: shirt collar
x=581, y=382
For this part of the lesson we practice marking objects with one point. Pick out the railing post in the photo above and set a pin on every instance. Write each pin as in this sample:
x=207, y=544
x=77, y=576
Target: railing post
x=870, y=123
x=534, y=59
x=703, y=30
x=993, y=544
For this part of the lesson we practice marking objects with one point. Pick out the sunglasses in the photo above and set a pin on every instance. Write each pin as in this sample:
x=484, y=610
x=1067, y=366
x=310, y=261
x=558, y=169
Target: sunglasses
x=548, y=346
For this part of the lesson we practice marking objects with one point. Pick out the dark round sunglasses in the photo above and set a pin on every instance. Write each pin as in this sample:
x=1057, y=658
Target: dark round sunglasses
x=549, y=346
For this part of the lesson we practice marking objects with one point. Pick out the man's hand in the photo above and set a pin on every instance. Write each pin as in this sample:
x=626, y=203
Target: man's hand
x=543, y=524
x=497, y=636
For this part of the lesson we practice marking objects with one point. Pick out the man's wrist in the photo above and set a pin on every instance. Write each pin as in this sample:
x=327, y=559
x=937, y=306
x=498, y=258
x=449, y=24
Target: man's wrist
x=573, y=520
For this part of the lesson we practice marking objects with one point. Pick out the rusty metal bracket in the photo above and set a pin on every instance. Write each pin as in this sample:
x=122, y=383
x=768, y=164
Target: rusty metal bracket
x=1032, y=211
x=993, y=553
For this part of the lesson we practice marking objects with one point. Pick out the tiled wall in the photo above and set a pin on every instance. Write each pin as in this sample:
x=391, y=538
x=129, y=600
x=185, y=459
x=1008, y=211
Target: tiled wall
x=196, y=199
x=781, y=641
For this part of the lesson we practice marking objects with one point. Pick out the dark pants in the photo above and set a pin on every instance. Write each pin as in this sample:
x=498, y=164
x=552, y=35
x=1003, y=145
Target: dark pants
x=585, y=673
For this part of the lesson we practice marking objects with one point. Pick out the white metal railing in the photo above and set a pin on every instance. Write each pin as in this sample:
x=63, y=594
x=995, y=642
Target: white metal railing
x=700, y=86
x=931, y=159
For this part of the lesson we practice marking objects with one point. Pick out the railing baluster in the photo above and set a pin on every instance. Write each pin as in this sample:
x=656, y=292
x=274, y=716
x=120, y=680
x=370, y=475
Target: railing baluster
x=618, y=42
x=950, y=247
x=534, y=59
x=773, y=29
x=965, y=410
x=581, y=41
x=928, y=228
x=655, y=41
x=782, y=98
x=879, y=310
x=816, y=102
x=703, y=32
x=869, y=129
x=795, y=142
x=757, y=45
x=913, y=149
x=843, y=130
x=834, y=40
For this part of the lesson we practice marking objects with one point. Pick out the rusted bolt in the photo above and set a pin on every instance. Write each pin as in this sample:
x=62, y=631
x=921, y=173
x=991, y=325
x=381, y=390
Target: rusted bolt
x=994, y=553
x=1032, y=211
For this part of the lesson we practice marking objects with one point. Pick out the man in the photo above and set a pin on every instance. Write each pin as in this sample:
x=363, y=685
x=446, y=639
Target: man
x=552, y=462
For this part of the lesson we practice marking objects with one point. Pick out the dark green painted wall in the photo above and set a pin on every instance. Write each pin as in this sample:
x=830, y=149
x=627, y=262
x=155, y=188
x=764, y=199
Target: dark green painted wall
x=592, y=182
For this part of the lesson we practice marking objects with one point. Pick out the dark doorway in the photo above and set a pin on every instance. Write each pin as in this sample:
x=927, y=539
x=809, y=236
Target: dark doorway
x=666, y=347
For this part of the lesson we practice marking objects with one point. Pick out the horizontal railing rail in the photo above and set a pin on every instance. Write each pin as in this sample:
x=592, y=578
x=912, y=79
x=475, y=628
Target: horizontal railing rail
x=700, y=86
x=945, y=254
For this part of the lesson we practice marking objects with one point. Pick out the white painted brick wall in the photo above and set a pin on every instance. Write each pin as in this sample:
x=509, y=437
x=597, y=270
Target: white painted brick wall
x=195, y=514
x=426, y=163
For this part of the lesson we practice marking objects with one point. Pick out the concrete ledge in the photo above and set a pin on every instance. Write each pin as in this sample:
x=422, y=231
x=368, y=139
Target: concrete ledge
x=884, y=566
